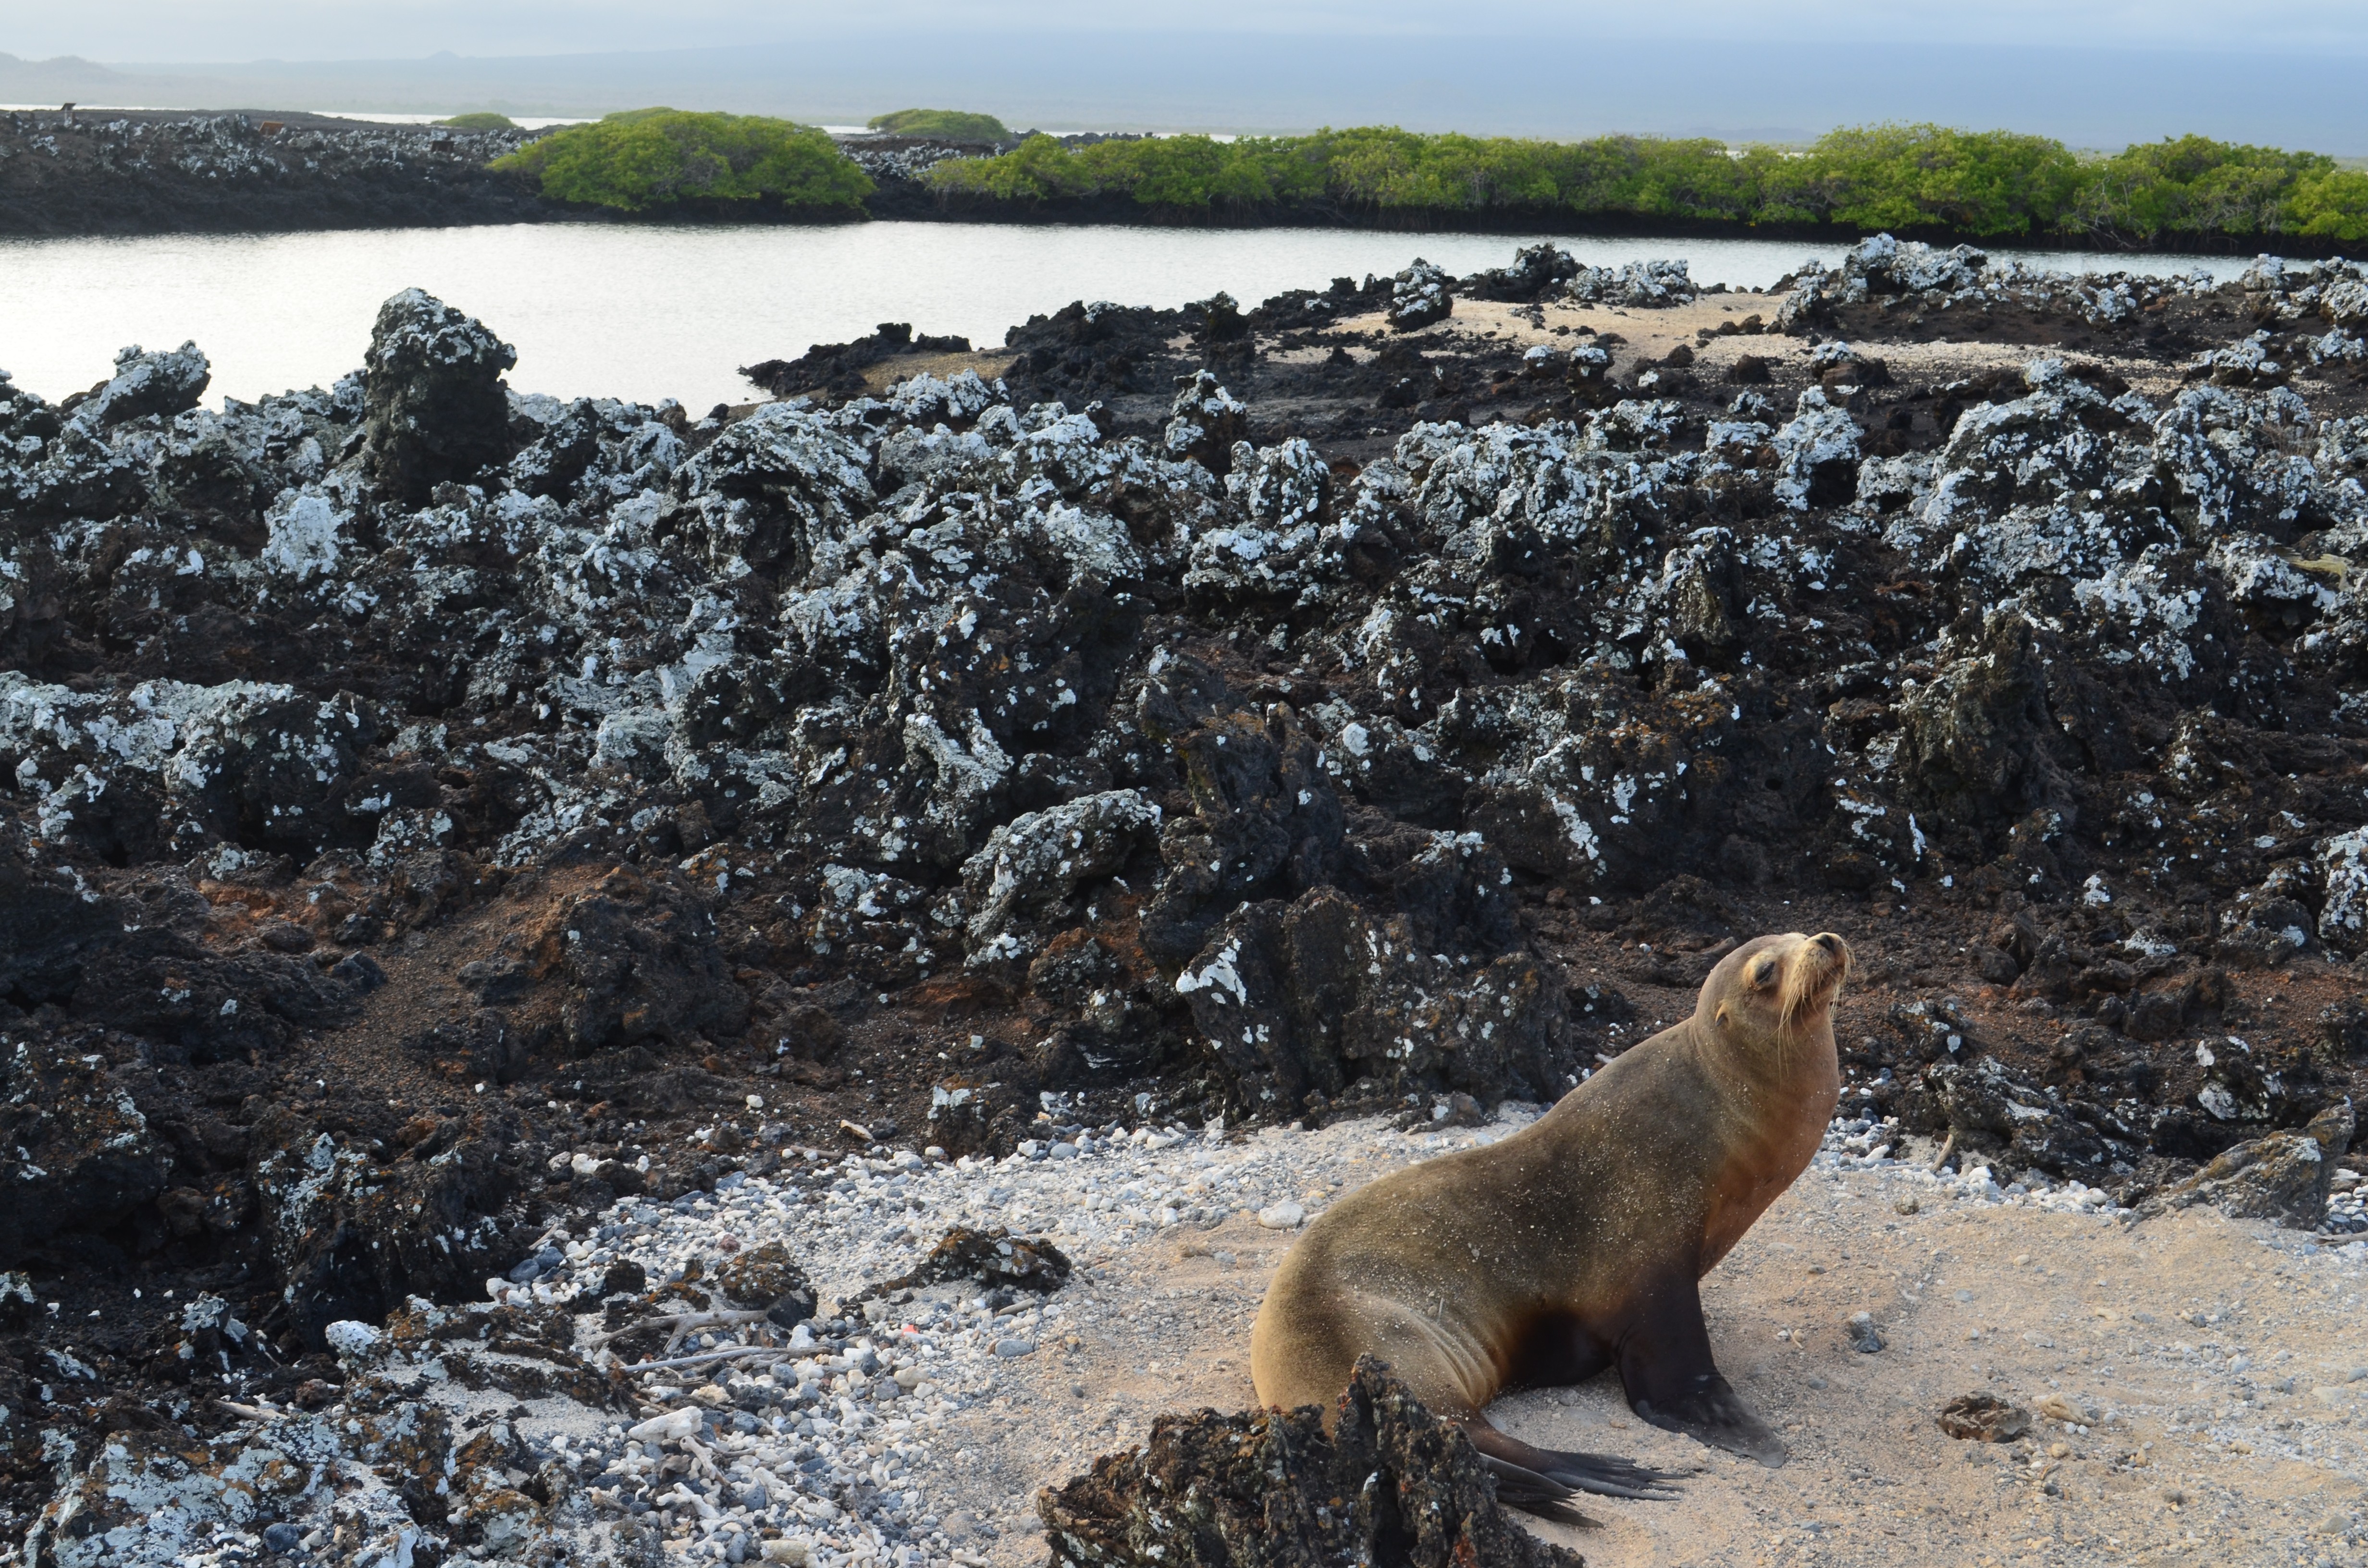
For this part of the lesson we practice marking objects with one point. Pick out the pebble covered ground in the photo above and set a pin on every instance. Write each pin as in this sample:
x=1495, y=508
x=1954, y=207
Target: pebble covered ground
x=2195, y=1380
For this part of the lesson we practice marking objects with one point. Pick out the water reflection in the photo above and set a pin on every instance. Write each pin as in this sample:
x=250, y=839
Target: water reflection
x=653, y=312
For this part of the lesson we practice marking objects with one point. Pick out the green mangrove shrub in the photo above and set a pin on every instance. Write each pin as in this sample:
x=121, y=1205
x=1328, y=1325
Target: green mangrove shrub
x=953, y=124
x=1992, y=183
x=641, y=159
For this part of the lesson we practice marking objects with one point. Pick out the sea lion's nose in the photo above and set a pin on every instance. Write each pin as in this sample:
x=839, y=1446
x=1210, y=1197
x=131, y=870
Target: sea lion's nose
x=1828, y=941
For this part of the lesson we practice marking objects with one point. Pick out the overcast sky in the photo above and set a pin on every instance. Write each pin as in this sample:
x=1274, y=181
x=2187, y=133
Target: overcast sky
x=161, y=31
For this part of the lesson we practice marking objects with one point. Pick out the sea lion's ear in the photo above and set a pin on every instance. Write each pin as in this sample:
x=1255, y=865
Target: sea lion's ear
x=1721, y=1015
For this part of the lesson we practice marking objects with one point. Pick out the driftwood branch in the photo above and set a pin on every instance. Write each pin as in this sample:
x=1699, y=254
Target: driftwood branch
x=676, y=1324
x=703, y=1357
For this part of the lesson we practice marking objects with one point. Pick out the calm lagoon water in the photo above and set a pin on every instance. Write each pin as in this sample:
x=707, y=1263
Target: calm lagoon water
x=654, y=313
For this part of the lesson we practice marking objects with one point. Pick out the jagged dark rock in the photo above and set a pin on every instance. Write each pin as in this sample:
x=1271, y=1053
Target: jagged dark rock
x=144, y=384
x=995, y=1259
x=1392, y=1486
x=768, y=1278
x=840, y=368
x=353, y=1236
x=434, y=406
x=1535, y=272
x=1422, y=295
x=170, y=171
x=2284, y=1177
x=1975, y=741
x=1992, y=1113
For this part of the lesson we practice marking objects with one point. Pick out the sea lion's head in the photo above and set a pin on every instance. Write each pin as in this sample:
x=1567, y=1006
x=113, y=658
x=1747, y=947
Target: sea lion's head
x=1774, y=988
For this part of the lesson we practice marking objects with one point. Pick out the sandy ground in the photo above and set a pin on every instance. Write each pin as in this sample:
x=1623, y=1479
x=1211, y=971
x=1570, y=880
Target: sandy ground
x=988, y=363
x=1650, y=334
x=2224, y=1364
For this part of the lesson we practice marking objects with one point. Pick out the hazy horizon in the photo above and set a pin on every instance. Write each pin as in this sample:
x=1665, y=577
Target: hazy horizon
x=1509, y=67
x=249, y=30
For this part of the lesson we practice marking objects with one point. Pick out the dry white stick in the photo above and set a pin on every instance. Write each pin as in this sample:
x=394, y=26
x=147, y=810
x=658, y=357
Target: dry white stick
x=722, y=1353
x=679, y=1324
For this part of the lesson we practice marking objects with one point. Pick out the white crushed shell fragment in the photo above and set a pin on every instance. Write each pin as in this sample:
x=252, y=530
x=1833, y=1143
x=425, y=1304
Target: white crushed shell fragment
x=672, y=1426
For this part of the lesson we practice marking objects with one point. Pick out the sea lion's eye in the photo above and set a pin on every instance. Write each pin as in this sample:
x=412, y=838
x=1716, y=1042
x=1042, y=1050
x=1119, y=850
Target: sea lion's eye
x=1764, y=972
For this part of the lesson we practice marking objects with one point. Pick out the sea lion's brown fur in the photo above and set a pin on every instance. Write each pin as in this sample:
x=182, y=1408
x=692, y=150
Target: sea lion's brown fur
x=1576, y=1243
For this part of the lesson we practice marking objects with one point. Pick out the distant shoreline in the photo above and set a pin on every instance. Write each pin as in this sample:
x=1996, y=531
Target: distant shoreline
x=126, y=173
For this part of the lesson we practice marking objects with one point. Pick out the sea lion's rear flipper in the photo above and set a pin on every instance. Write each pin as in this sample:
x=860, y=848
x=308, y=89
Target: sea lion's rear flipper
x=1666, y=1366
x=1516, y=1463
x=1518, y=1487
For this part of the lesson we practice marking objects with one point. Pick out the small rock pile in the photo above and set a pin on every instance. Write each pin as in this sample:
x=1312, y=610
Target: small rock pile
x=1884, y=267
x=1646, y=285
x=2286, y=1176
x=1420, y=295
x=1392, y=1486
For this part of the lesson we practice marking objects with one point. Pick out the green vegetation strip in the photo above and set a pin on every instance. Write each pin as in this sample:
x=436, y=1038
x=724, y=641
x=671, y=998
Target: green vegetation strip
x=661, y=157
x=1988, y=184
x=1991, y=184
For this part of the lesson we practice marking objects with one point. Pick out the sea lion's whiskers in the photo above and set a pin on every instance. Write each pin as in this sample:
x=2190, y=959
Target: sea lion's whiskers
x=1805, y=992
x=1796, y=996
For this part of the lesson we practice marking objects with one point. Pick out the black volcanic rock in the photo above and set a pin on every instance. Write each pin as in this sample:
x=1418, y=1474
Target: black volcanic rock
x=1536, y=271
x=171, y=171
x=160, y=383
x=422, y=804
x=1392, y=1486
x=434, y=404
x=839, y=367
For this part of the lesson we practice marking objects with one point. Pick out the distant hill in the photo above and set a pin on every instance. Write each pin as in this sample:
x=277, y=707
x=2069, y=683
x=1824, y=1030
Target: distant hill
x=50, y=82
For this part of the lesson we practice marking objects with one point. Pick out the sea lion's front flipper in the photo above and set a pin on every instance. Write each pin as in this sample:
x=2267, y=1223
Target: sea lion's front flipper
x=1666, y=1366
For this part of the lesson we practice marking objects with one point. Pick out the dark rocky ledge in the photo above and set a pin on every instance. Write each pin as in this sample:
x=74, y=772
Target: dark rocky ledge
x=133, y=172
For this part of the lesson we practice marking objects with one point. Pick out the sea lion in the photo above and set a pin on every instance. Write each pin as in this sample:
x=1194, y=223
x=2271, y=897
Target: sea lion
x=1577, y=1242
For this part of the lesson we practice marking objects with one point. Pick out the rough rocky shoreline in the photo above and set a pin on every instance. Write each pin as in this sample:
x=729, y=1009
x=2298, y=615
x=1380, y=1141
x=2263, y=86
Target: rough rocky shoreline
x=168, y=171
x=162, y=171
x=155, y=171
x=433, y=818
